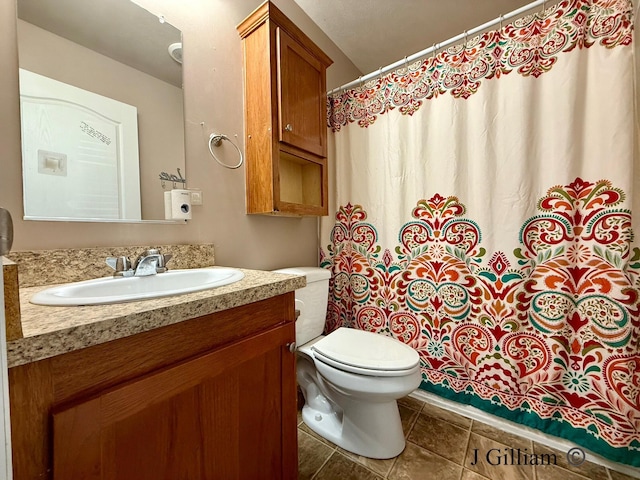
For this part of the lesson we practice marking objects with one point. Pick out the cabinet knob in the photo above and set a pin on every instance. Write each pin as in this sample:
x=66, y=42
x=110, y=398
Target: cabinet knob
x=292, y=346
x=288, y=127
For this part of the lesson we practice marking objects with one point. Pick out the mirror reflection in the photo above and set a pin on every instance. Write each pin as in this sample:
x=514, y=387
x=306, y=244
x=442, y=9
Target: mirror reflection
x=101, y=109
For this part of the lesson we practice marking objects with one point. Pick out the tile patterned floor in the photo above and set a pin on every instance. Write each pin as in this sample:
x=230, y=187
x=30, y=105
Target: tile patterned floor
x=440, y=446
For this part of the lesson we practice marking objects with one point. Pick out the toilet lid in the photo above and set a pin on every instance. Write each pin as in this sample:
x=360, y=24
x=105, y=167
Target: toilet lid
x=366, y=350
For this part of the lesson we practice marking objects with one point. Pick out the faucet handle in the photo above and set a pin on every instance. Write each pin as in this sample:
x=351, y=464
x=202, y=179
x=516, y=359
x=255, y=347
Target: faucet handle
x=162, y=262
x=121, y=265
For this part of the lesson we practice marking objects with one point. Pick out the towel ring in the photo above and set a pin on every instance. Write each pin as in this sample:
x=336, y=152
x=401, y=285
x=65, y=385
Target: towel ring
x=215, y=140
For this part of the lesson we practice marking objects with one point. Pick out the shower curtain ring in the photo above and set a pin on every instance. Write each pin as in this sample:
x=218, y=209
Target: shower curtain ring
x=501, y=19
x=406, y=64
x=465, y=39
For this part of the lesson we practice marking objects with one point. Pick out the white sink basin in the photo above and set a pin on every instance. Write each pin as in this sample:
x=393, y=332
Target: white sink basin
x=127, y=289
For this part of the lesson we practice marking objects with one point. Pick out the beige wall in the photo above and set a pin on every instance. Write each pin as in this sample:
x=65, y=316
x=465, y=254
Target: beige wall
x=213, y=95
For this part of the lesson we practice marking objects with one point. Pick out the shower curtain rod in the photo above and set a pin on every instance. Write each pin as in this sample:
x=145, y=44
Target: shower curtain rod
x=438, y=46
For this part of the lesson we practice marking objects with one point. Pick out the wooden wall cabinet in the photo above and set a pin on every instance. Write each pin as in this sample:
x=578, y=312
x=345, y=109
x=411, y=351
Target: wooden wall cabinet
x=285, y=116
x=209, y=398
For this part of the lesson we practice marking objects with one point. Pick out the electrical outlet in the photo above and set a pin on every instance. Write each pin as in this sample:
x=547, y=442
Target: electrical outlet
x=196, y=196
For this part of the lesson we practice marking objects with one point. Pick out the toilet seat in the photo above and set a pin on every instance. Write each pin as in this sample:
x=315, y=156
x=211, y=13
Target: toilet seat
x=366, y=353
x=364, y=371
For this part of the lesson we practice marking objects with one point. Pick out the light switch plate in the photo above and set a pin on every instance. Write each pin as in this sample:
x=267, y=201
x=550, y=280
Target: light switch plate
x=196, y=196
x=52, y=163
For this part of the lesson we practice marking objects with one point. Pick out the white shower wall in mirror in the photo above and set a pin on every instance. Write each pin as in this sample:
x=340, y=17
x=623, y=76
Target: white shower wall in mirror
x=79, y=152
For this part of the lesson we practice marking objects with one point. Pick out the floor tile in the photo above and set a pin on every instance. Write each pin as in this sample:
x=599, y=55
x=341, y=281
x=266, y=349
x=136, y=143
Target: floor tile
x=340, y=467
x=439, y=446
x=551, y=472
x=471, y=475
x=416, y=463
x=493, y=460
x=440, y=437
x=381, y=467
x=621, y=476
x=446, y=415
x=303, y=426
x=509, y=439
x=408, y=417
x=312, y=453
x=410, y=402
x=587, y=469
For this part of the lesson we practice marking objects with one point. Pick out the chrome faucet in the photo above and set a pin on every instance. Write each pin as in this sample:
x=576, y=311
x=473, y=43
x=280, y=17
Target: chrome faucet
x=150, y=262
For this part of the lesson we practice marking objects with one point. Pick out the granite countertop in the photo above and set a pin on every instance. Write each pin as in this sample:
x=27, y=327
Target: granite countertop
x=50, y=331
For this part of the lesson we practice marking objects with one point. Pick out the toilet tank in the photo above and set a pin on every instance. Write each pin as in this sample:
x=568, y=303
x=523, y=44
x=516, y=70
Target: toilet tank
x=311, y=301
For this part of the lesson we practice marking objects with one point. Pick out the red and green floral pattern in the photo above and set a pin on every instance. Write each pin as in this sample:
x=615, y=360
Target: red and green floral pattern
x=530, y=46
x=552, y=342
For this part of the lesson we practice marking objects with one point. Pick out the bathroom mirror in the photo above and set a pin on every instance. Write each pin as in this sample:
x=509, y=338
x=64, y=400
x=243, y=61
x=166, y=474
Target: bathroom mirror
x=101, y=110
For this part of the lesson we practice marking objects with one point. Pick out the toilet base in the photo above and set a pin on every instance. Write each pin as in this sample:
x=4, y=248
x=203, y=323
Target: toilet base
x=372, y=430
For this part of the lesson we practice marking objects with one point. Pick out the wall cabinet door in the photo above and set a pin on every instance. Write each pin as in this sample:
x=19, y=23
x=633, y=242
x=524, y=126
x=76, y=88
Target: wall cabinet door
x=229, y=414
x=301, y=94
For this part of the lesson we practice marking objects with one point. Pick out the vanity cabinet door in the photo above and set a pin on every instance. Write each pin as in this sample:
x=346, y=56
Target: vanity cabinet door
x=229, y=414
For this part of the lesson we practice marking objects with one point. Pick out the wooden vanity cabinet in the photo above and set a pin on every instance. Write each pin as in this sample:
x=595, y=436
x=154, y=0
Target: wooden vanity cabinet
x=209, y=398
x=285, y=116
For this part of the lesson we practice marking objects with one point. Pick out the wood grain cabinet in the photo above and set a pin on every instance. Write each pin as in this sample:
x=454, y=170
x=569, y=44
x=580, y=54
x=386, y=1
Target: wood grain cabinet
x=209, y=398
x=285, y=116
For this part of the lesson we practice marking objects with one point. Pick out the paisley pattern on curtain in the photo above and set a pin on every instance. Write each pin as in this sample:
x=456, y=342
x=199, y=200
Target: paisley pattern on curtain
x=556, y=335
x=492, y=230
x=530, y=46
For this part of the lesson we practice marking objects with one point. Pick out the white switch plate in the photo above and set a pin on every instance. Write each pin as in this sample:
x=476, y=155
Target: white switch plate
x=52, y=163
x=196, y=196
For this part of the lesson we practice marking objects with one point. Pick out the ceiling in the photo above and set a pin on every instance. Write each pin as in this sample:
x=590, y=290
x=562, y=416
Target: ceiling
x=121, y=30
x=376, y=33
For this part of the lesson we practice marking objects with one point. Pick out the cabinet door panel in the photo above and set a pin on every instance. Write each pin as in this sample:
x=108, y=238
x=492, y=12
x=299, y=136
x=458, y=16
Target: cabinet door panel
x=301, y=94
x=160, y=438
x=218, y=416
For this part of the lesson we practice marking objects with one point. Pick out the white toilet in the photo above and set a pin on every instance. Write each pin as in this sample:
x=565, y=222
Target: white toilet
x=350, y=378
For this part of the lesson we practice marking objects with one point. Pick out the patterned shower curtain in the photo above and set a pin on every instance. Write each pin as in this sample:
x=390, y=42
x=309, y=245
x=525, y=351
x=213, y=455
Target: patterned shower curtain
x=484, y=203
